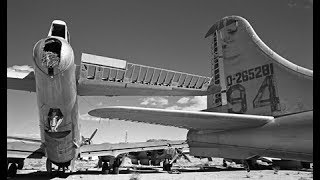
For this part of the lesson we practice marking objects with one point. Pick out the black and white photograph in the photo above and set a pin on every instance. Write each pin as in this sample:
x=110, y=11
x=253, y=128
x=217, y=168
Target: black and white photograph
x=160, y=89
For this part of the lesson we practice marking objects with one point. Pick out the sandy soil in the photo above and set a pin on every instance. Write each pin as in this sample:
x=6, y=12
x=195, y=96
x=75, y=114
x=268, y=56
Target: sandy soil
x=199, y=169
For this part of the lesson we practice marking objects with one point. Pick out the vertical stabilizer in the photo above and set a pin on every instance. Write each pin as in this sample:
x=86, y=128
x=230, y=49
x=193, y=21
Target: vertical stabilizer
x=254, y=79
x=59, y=28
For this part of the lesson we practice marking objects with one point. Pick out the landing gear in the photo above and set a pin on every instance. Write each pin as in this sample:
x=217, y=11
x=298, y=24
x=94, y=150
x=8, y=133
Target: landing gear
x=72, y=165
x=246, y=165
x=225, y=163
x=250, y=164
x=100, y=162
x=63, y=169
x=166, y=165
x=20, y=164
x=49, y=166
x=12, y=171
x=305, y=165
x=115, y=169
x=116, y=165
x=105, y=168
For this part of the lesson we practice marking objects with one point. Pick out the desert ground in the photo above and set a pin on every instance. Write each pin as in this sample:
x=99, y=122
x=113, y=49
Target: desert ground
x=201, y=169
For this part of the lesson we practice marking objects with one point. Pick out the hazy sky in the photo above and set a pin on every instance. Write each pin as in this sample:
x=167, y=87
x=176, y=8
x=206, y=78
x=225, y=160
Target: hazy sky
x=166, y=34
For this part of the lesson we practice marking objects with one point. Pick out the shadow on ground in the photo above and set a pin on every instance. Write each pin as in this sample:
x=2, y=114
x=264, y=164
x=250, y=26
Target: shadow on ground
x=175, y=170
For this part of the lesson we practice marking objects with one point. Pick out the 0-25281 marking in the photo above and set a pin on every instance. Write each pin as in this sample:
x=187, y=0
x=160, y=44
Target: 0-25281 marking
x=249, y=74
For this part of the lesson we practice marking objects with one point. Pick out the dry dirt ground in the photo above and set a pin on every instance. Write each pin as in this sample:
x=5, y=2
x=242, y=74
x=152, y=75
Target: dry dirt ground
x=197, y=170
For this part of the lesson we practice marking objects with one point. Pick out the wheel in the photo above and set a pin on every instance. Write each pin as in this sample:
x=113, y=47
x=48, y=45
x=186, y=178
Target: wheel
x=224, y=163
x=166, y=165
x=116, y=165
x=153, y=162
x=72, y=165
x=20, y=164
x=116, y=170
x=105, y=168
x=145, y=162
x=100, y=163
x=12, y=171
x=253, y=164
x=49, y=166
x=157, y=162
x=246, y=165
x=169, y=167
x=305, y=165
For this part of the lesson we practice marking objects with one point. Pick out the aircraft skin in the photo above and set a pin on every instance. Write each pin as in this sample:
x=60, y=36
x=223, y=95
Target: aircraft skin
x=257, y=100
x=262, y=84
x=256, y=79
x=57, y=91
x=264, y=108
x=57, y=82
x=287, y=138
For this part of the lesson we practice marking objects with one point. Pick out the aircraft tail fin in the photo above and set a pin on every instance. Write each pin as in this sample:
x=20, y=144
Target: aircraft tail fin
x=59, y=28
x=254, y=79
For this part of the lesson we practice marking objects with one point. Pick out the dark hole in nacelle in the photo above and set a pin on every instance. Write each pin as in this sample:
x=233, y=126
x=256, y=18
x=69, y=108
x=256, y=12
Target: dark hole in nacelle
x=51, y=54
x=58, y=30
x=53, y=45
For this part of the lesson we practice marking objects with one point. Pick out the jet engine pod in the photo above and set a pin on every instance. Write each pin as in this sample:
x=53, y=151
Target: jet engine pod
x=53, y=55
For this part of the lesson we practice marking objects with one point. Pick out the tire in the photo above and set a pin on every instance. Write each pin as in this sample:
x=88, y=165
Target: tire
x=12, y=171
x=116, y=170
x=169, y=167
x=253, y=164
x=20, y=164
x=225, y=164
x=100, y=163
x=49, y=166
x=166, y=165
x=145, y=162
x=105, y=168
x=246, y=165
x=305, y=165
x=155, y=162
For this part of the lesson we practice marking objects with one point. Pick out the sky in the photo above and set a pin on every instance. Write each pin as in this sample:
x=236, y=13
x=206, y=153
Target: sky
x=165, y=34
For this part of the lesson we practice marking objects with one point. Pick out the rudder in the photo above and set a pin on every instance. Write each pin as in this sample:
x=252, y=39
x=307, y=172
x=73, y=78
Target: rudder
x=254, y=79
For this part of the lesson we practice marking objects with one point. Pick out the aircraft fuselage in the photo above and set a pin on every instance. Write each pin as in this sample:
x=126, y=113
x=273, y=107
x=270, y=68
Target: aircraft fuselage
x=276, y=139
x=56, y=91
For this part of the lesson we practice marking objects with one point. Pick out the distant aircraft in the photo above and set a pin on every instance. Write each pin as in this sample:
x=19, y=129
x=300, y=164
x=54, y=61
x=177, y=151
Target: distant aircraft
x=153, y=157
x=58, y=82
x=263, y=108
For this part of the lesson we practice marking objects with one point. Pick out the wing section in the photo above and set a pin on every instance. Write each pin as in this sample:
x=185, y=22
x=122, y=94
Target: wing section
x=183, y=119
x=21, y=80
x=103, y=76
x=36, y=140
x=107, y=149
x=19, y=147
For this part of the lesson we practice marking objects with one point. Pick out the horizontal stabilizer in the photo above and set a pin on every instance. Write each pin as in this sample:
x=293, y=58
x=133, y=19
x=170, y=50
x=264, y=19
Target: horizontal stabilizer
x=114, y=77
x=183, y=119
x=21, y=80
x=24, y=150
x=37, y=140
